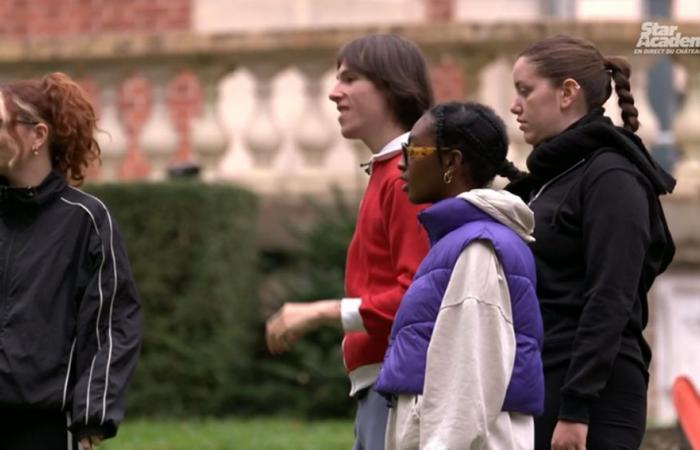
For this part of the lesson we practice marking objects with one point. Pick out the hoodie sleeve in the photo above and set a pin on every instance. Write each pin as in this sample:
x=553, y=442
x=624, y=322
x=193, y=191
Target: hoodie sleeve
x=408, y=245
x=108, y=336
x=616, y=235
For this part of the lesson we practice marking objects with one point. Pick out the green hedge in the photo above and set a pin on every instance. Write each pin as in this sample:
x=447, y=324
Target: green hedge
x=193, y=255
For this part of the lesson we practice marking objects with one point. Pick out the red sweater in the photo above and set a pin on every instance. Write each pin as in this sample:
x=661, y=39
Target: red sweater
x=385, y=251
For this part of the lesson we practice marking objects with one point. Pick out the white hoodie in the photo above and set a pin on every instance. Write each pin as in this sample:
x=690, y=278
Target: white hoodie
x=471, y=353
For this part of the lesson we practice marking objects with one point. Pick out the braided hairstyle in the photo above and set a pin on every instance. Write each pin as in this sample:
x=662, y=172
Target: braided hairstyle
x=560, y=57
x=620, y=70
x=480, y=135
x=62, y=105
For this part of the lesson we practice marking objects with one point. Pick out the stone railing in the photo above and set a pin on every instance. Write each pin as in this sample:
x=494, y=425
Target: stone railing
x=263, y=118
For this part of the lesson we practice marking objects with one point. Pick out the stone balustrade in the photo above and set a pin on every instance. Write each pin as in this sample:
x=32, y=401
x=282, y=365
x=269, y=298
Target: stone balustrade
x=264, y=119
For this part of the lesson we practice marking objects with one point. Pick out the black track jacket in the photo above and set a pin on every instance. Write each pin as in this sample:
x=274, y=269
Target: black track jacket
x=70, y=320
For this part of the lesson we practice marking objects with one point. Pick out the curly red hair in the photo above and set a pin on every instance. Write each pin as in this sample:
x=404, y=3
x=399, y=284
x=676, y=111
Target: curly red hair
x=62, y=105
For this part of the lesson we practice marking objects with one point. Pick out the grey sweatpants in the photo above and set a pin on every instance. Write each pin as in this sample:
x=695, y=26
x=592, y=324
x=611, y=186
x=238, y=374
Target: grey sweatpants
x=370, y=421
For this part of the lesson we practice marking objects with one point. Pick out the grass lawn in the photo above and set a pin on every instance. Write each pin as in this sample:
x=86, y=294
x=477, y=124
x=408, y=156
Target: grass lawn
x=230, y=434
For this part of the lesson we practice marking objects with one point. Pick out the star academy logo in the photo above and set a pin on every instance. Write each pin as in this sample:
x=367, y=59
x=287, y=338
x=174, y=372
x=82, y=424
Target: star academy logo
x=655, y=39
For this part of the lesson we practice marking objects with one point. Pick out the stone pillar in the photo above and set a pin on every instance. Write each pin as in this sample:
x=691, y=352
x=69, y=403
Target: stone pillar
x=687, y=130
x=676, y=309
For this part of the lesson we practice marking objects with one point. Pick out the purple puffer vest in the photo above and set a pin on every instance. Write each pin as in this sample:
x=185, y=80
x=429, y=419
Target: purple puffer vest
x=451, y=225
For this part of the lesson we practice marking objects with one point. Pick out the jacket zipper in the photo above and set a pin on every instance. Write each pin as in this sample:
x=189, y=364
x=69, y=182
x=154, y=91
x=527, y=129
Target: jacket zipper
x=546, y=185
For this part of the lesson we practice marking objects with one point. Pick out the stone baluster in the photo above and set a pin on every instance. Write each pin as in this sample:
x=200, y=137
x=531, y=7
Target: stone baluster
x=262, y=135
x=134, y=108
x=314, y=131
x=111, y=136
x=649, y=124
x=687, y=131
x=209, y=139
x=158, y=139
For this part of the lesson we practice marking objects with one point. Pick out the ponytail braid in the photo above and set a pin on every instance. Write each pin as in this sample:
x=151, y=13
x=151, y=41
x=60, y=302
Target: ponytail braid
x=620, y=71
x=510, y=171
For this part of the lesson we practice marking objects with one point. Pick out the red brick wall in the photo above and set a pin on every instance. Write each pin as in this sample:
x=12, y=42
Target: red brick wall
x=45, y=18
x=439, y=10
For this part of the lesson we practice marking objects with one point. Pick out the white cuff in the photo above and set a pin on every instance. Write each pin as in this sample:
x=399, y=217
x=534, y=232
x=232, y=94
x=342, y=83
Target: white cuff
x=350, y=314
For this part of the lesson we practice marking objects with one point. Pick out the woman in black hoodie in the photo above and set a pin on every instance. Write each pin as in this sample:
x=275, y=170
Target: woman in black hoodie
x=601, y=240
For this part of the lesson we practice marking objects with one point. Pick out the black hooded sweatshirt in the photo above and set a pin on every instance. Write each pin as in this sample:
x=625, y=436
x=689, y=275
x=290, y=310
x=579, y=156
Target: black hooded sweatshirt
x=601, y=240
x=70, y=320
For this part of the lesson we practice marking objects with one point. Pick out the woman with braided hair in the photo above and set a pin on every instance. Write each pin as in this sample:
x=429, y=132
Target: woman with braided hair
x=70, y=321
x=463, y=368
x=601, y=240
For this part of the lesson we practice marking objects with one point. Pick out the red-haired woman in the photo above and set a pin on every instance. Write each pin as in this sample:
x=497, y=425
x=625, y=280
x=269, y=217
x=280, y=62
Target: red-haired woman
x=600, y=241
x=70, y=321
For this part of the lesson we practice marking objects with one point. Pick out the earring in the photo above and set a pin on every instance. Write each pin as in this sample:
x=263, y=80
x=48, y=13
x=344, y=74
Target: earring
x=35, y=151
x=447, y=177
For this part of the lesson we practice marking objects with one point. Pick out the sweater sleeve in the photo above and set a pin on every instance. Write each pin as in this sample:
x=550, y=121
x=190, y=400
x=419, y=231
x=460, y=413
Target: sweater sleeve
x=471, y=354
x=108, y=337
x=408, y=244
x=616, y=235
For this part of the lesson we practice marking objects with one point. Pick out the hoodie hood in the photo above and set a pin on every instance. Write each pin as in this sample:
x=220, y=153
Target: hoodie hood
x=591, y=134
x=506, y=208
x=478, y=204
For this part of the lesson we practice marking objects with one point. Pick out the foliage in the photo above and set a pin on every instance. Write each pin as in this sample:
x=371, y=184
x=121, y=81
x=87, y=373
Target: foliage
x=193, y=255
